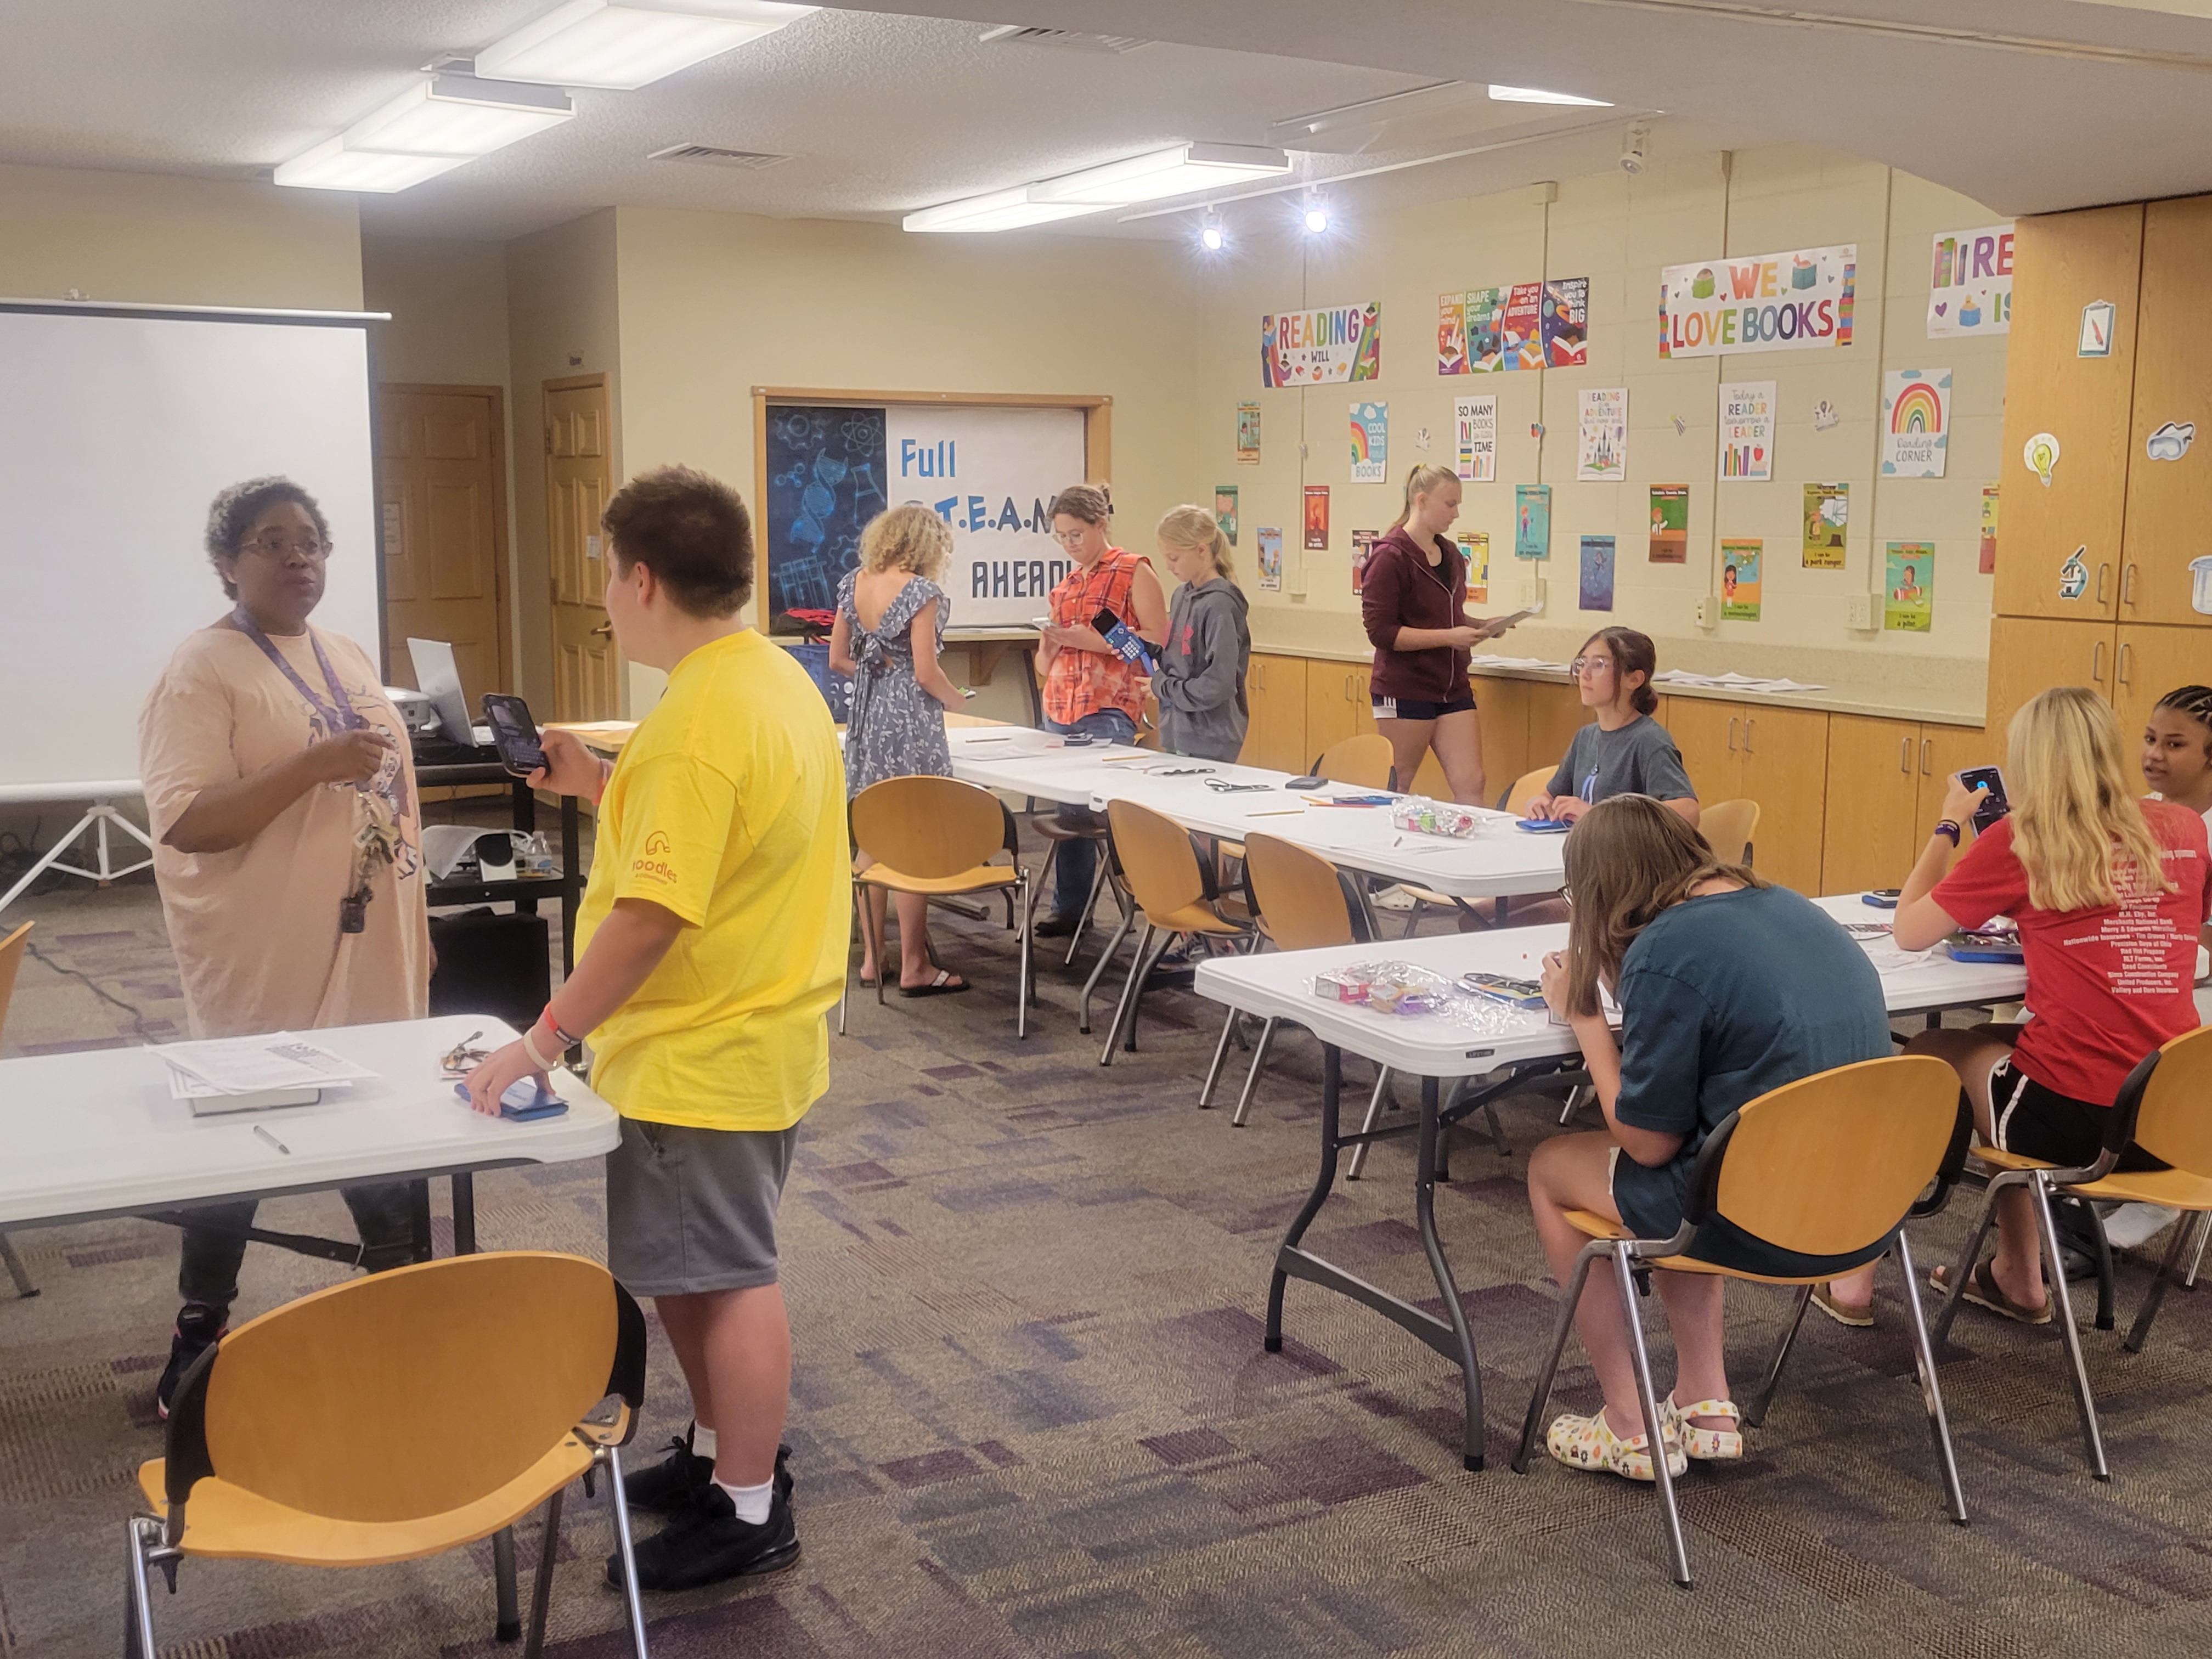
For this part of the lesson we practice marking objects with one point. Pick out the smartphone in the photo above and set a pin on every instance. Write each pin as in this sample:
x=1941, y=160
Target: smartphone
x=527, y=1099
x=1882, y=898
x=513, y=733
x=1993, y=805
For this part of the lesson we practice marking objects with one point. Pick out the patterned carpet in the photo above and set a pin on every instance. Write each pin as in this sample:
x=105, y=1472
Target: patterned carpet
x=1032, y=1416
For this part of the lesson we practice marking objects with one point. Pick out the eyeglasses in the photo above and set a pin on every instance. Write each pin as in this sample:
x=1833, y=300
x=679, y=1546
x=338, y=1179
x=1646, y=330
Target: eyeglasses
x=461, y=1059
x=274, y=546
x=1070, y=537
x=1581, y=665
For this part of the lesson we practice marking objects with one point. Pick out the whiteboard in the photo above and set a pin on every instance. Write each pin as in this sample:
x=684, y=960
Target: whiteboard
x=989, y=471
x=117, y=429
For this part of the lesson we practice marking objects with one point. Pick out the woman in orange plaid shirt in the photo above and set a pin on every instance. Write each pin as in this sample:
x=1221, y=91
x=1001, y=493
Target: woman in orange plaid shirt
x=1088, y=688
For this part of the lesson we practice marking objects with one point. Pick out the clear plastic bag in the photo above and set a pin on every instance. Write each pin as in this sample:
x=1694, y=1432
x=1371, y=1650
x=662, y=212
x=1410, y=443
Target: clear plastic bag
x=1431, y=818
x=1388, y=987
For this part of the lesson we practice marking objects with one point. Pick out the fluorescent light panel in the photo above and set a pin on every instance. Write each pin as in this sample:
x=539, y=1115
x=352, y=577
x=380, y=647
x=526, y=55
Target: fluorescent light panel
x=1002, y=210
x=1175, y=171
x=433, y=127
x=591, y=43
x=1538, y=96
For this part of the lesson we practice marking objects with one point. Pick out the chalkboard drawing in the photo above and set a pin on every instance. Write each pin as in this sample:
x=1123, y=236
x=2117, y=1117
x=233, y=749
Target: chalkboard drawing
x=825, y=471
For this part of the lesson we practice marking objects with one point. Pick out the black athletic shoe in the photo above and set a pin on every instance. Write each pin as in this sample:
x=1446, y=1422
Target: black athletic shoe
x=673, y=1484
x=1054, y=927
x=199, y=1328
x=710, y=1544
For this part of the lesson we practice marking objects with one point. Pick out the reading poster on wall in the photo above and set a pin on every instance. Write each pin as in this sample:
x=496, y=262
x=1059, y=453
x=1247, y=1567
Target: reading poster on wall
x=1475, y=424
x=1969, y=282
x=1915, y=422
x=1989, y=550
x=1799, y=300
x=1670, y=523
x=1224, y=511
x=1740, y=574
x=1828, y=513
x=1564, y=318
x=1317, y=518
x=1597, y=573
x=1363, y=549
x=1318, y=347
x=1908, y=592
x=1271, y=557
x=1532, y=521
x=1602, y=435
x=1747, y=432
x=1474, y=548
x=1247, y=434
x=1370, y=442
x=1451, y=334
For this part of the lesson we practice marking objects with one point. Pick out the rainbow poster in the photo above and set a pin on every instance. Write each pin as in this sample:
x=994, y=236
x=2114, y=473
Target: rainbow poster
x=1799, y=300
x=1370, y=442
x=1314, y=348
x=1915, y=422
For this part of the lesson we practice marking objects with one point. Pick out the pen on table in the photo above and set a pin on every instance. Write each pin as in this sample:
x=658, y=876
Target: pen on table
x=1278, y=813
x=272, y=1141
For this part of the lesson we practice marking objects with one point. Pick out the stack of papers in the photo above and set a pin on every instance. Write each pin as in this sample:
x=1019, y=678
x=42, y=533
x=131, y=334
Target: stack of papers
x=237, y=1067
x=1490, y=662
x=1730, y=682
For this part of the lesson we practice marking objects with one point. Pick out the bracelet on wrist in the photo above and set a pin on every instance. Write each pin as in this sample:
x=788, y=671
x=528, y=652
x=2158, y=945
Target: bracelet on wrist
x=1948, y=827
x=563, y=1038
x=537, y=1058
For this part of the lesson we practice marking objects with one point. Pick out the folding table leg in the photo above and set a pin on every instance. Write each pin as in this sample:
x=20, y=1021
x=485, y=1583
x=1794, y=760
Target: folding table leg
x=17, y=1270
x=1425, y=1210
x=1332, y=1078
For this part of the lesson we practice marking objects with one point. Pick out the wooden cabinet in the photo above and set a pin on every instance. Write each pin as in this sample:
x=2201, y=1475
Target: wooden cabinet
x=2029, y=655
x=1873, y=795
x=1944, y=751
x=1503, y=705
x=1707, y=730
x=2151, y=662
x=1276, y=689
x=1555, y=714
x=1776, y=756
x=1336, y=704
x=2169, y=502
x=2061, y=263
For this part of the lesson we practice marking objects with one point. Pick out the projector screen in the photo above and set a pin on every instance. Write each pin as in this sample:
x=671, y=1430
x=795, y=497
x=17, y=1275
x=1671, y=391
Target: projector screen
x=117, y=429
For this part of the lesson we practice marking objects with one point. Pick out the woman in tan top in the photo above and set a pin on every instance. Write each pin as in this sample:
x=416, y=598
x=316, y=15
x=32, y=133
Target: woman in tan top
x=289, y=847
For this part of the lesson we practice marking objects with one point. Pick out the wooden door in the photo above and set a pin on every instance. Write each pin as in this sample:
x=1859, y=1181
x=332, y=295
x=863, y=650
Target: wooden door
x=444, y=474
x=1276, y=738
x=2152, y=662
x=1331, y=713
x=1945, y=751
x=1873, y=791
x=579, y=478
x=2169, y=500
x=2029, y=655
x=1708, y=731
x=2063, y=262
x=1785, y=768
x=1503, y=708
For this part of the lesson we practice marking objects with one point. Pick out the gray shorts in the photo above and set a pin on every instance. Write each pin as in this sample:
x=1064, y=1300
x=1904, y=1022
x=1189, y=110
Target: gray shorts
x=691, y=1210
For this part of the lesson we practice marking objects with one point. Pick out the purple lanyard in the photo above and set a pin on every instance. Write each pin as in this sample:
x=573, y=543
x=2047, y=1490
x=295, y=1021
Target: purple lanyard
x=338, y=714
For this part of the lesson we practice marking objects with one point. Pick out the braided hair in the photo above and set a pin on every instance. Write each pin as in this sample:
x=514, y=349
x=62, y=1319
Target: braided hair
x=2191, y=702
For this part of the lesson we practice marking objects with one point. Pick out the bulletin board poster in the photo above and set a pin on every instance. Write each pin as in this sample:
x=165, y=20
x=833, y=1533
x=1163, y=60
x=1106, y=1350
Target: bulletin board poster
x=1521, y=333
x=1915, y=422
x=1271, y=557
x=1321, y=348
x=1451, y=334
x=1474, y=548
x=1532, y=521
x=1247, y=434
x=1363, y=550
x=1474, y=438
x=1600, y=435
x=1596, y=592
x=1563, y=321
x=1799, y=300
x=1989, y=560
x=1224, y=510
x=1370, y=442
x=1827, y=515
x=1970, y=283
x=1747, y=432
x=1670, y=523
x=1317, y=517
x=1908, y=588
x=1484, y=309
x=1739, y=577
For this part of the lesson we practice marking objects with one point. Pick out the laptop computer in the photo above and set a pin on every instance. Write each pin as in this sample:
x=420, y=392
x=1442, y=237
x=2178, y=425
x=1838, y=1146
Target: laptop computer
x=439, y=677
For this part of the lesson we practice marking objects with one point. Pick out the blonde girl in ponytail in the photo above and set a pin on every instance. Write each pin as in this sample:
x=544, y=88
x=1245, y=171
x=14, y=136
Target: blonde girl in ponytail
x=1200, y=682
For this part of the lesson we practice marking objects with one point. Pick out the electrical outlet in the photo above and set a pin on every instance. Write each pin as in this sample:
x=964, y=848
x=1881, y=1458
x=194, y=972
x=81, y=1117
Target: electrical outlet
x=1708, y=610
x=1858, y=610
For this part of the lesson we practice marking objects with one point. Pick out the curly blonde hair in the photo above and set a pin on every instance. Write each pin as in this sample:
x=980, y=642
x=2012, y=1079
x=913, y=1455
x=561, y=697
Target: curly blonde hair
x=909, y=538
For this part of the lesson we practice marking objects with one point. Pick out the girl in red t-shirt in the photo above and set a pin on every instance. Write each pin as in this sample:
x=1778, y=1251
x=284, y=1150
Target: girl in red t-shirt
x=2108, y=893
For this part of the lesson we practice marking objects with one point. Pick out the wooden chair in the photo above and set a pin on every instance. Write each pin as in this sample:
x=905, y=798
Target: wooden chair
x=1174, y=893
x=1828, y=1168
x=398, y=1417
x=11, y=959
x=1525, y=789
x=1728, y=827
x=1302, y=902
x=935, y=836
x=2165, y=1108
x=1364, y=762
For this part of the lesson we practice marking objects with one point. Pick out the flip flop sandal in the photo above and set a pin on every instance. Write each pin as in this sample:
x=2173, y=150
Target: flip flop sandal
x=1588, y=1442
x=942, y=986
x=1983, y=1292
x=1859, y=1319
x=1706, y=1445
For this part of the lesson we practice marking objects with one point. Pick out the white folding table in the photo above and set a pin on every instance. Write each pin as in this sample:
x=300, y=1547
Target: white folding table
x=1525, y=1046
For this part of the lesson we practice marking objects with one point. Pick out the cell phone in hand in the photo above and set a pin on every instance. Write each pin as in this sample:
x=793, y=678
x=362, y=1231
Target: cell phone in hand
x=1993, y=805
x=513, y=734
x=1882, y=898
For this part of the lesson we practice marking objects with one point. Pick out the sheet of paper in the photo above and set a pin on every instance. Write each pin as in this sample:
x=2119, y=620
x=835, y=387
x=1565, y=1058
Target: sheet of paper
x=240, y=1066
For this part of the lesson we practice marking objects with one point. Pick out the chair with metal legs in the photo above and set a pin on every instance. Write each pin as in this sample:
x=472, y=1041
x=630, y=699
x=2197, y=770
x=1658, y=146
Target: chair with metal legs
x=1055, y=833
x=1525, y=789
x=396, y=1418
x=2165, y=1110
x=11, y=959
x=1173, y=890
x=1828, y=1169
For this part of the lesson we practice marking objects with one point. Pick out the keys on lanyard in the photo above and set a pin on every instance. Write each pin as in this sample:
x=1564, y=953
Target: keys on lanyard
x=376, y=843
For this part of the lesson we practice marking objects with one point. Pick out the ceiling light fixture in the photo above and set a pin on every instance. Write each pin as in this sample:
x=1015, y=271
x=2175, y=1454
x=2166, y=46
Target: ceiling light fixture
x=1211, y=234
x=1002, y=210
x=1538, y=96
x=1175, y=171
x=435, y=125
x=591, y=43
x=1316, y=214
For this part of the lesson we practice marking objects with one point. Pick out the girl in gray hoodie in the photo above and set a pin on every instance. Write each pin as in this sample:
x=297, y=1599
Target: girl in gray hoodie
x=1200, y=680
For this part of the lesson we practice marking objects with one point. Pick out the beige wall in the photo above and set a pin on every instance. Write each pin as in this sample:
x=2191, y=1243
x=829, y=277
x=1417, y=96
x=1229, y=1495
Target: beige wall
x=714, y=304
x=1619, y=232
x=183, y=241
x=562, y=320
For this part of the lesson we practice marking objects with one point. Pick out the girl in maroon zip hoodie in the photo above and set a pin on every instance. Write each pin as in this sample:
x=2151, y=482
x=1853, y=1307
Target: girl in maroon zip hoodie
x=1413, y=602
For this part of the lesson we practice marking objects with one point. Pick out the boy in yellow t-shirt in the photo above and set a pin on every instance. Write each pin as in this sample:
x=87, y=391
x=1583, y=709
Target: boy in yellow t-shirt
x=712, y=940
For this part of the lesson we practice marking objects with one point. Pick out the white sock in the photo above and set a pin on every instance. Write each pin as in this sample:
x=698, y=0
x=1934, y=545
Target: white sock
x=751, y=1502
x=702, y=1441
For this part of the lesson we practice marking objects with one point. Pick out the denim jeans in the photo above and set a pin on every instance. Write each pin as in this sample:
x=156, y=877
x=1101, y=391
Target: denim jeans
x=1077, y=865
x=207, y=1269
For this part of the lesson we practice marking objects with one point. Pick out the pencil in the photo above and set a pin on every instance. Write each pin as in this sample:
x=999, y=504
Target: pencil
x=1280, y=812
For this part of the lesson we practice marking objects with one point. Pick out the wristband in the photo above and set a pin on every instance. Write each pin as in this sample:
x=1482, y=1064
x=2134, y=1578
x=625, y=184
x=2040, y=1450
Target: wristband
x=1948, y=827
x=537, y=1058
x=561, y=1035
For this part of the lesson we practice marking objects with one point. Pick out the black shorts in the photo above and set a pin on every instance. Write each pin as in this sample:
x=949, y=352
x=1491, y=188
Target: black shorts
x=1405, y=708
x=2041, y=1123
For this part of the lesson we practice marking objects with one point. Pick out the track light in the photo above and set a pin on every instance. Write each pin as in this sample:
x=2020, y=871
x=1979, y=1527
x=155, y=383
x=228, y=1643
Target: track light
x=1316, y=214
x=1210, y=235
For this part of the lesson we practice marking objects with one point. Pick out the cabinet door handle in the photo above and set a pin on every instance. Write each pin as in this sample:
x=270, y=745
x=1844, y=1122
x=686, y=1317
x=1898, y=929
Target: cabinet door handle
x=1732, y=720
x=1903, y=749
x=2103, y=571
x=2097, y=664
x=1748, y=722
x=1927, y=747
x=2120, y=676
x=2128, y=583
